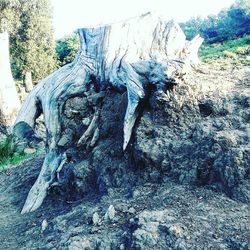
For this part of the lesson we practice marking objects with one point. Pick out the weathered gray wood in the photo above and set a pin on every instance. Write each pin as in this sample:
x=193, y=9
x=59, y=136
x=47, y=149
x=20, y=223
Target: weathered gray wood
x=131, y=54
x=9, y=100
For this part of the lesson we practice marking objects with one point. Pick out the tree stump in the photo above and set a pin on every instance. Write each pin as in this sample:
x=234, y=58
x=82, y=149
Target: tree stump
x=131, y=55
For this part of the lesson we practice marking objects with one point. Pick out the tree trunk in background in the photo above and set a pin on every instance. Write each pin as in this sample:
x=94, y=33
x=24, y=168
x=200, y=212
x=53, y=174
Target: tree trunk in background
x=28, y=81
x=9, y=100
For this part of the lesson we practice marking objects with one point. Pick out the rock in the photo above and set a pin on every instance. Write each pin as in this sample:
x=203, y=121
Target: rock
x=136, y=193
x=95, y=218
x=86, y=121
x=79, y=243
x=44, y=225
x=110, y=214
x=66, y=139
x=131, y=210
x=29, y=151
x=122, y=247
x=175, y=230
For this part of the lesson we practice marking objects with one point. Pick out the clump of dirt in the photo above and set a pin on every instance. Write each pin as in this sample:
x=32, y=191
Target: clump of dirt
x=200, y=133
x=196, y=131
x=172, y=187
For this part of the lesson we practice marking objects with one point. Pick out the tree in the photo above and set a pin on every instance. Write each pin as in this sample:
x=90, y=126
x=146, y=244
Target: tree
x=33, y=44
x=192, y=27
x=9, y=101
x=228, y=24
x=10, y=16
x=66, y=49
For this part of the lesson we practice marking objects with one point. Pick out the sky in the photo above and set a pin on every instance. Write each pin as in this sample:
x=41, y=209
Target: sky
x=70, y=15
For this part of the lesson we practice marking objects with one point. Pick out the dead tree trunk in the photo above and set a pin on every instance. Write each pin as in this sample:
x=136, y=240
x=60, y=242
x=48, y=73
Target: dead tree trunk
x=132, y=54
x=28, y=81
x=9, y=100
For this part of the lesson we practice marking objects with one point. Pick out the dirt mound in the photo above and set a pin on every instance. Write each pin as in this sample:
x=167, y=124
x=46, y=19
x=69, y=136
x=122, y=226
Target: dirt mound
x=195, y=130
x=171, y=189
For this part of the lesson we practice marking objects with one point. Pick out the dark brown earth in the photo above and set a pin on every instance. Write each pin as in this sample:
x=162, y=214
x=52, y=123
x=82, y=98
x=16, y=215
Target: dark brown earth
x=183, y=183
x=153, y=216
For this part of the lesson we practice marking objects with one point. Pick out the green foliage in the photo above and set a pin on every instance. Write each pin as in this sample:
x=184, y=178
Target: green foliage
x=230, y=53
x=32, y=45
x=238, y=46
x=228, y=24
x=8, y=156
x=66, y=48
x=192, y=27
x=227, y=35
x=9, y=16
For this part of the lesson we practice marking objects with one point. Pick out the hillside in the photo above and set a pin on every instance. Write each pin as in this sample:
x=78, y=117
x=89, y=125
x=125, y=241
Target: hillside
x=154, y=204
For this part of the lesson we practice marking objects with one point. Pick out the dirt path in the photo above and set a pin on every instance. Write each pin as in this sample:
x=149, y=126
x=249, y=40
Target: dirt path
x=15, y=184
x=209, y=220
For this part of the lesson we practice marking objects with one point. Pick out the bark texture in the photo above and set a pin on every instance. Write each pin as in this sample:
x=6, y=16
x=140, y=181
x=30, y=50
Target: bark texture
x=9, y=100
x=130, y=55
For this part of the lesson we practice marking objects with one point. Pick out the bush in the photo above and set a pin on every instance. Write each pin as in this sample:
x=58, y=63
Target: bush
x=229, y=54
x=8, y=156
x=234, y=52
x=243, y=50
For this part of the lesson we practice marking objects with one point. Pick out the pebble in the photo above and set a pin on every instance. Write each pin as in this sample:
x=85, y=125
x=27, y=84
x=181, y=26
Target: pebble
x=29, y=151
x=86, y=121
x=136, y=194
x=95, y=218
x=44, y=225
x=110, y=214
x=132, y=210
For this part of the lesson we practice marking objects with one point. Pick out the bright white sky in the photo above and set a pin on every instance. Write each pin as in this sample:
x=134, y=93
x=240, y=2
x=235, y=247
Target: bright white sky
x=72, y=14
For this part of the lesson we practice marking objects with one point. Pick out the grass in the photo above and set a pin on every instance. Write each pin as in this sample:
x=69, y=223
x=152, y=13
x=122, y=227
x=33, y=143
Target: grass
x=230, y=53
x=8, y=156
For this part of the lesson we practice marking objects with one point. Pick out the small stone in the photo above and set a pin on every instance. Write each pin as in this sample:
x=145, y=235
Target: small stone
x=86, y=121
x=95, y=218
x=136, y=194
x=122, y=247
x=121, y=207
x=110, y=214
x=29, y=151
x=44, y=225
x=132, y=210
x=176, y=230
x=65, y=140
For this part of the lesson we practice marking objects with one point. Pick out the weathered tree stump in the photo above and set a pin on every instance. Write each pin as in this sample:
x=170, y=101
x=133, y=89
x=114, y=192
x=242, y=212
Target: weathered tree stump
x=133, y=54
x=9, y=100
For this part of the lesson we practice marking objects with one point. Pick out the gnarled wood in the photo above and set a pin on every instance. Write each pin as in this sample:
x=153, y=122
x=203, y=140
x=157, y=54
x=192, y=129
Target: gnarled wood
x=131, y=54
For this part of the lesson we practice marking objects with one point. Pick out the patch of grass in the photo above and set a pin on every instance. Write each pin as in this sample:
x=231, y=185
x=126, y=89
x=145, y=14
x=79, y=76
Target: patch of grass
x=232, y=52
x=8, y=156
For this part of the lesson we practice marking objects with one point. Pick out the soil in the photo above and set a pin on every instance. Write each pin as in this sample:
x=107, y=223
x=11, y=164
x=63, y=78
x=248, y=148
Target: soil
x=183, y=217
x=183, y=182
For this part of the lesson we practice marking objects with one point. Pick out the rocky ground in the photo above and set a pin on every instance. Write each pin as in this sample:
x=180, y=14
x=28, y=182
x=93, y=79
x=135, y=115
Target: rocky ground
x=183, y=182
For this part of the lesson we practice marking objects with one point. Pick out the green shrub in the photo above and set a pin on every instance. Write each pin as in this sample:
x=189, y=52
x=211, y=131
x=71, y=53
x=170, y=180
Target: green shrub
x=229, y=54
x=243, y=50
x=233, y=52
x=8, y=156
